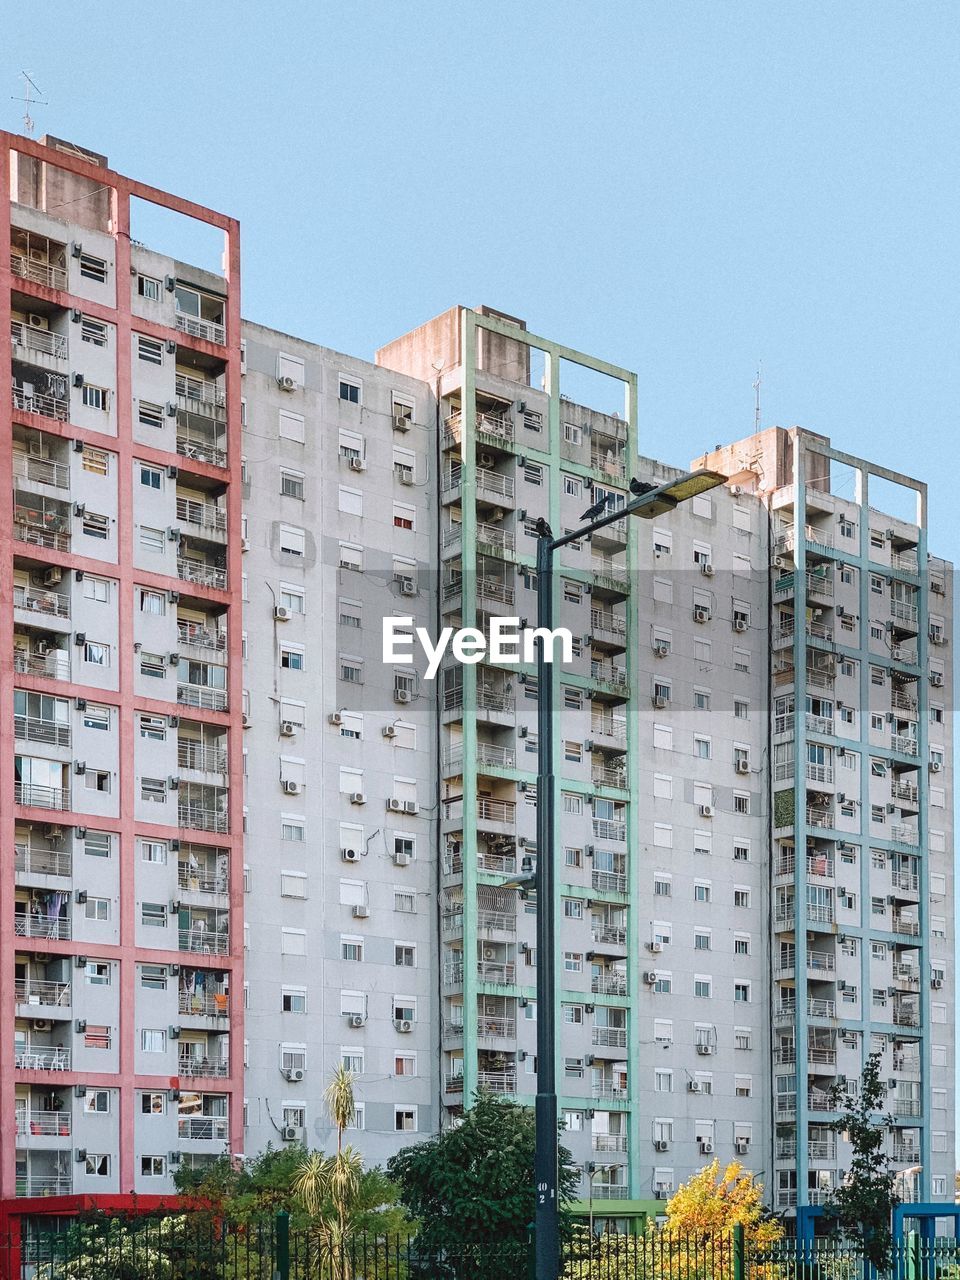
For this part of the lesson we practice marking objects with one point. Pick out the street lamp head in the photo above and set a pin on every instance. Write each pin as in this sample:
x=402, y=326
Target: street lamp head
x=654, y=501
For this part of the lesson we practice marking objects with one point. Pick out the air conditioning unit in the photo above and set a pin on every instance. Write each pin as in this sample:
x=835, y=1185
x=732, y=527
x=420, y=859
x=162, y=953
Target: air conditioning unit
x=401, y=423
x=778, y=562
x=245, y=720
x=740, y=624
x=389, y=731
x=707, y=570
x=289, y=1133
x=937, y=587
x=52, y=831
x=741, y=1146
x=42, y=1024
x=37, y=321
x=335, y=718
x=403, y=1024
x=410, y=806
x=701, y=615
x=706, y=811
x=742, y=766
x=936, y=766
x=358, y=464
x=291, y=787
x=650, y=977
x=706, y=1148
x=661, y=648
x=694, y=1086
x=655, y=948
x=705, y=1050
x=294, y=1074
x=661, y=1193
x=358, y=797
x=361, y=911
x=936, y=677
x=408, y=587
x=936, y=983
x=402, y=695
x=357, y=1020
x=287, y=728
x=52, y=576
x=660, y=702
x=281, y=613
x=401, y=859
x=393, y=804
x=486, y=459
x=405, y=476
x=350, y=855
x=286, y=383
x=896, y=652
x=661, y=1144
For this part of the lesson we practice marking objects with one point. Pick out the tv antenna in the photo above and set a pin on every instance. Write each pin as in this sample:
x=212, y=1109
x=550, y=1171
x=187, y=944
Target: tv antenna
x=29, y=101
x=756, y=405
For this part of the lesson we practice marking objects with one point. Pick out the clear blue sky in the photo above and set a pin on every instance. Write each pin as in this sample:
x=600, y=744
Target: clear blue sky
x=683, y=187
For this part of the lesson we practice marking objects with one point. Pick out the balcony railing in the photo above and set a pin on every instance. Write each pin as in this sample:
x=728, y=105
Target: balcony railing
x=609, y=881
x=41, y=797
x=41, y=926
x=39, y=402
x=611, y=1088
x=55, y=665
x=37, y=991
x=901, y=742
x=490, y=810
x=44, y=1124
x=199, y=449
x=197, y=1065
x=204, y=941
x=611, y=934
x=494, y=483
x=614, y=465
x=906, y=925
x=607, y=727
x=34, y=729
x=203, y=515
x=901, y=611
x=204, y=1128
x=609, y=829
x=493, y=535
x=196, y=392
x=199, y=817
x=41, y=470
x=201, y=879
x=609, y=776
x=202, y=695
x=609, y=1142
x=493, y=1026
x=503, y=864
x=37, y=530
x=42, y=862
x=610, y=1037
x=608, y=673
x=203, y=756
x=192, y=635
x=609, y=984
x=37, y=1057
x=497, y=1081
x=194, y=327
x=40, y=272
x=496, y=972
x=40, y=340
x=206, y=575
x=902, y=833
x=49, y=603
x=44, y=1184
x=608, y=622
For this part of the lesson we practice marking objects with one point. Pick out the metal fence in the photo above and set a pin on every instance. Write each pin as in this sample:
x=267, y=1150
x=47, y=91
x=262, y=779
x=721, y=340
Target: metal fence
x=199, y=1246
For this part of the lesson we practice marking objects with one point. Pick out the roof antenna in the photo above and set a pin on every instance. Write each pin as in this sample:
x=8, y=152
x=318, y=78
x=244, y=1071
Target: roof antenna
x=28, y=102
x=756, y=406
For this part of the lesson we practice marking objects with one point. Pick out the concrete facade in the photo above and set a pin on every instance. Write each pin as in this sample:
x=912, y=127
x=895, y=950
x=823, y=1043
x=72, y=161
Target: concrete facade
x=366, y=903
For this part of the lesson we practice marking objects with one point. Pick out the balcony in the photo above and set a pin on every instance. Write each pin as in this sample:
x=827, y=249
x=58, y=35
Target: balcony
x=203, y=640
x=609, y=731
x=44, y=1184
x=453, y=1083
x=494, y=538
x=204, y=941
x=605, y=775
x=608, y=984
x=205, y=757
x=904, y=744
x=906, y=1153
x=33, y=860
x=453, y=973
x=202, y=877
x=200, y=448
x=37, y=259
x=204, y=1128
x=202, y=573
x=38, y=925
x=493, y=591
x=609, y=829
x=36, y=341
x=501, y=813
x=202, y=695
x=493, y=486
x=609, y=462
x=609, y=673
x=497, y=973
x=38, y=993
x=199, y=1066
x=47, y=604
x=202, y=515
x=497, y=1081
x=40, y=523
x=35, y=729
x=818, y=817
x=611, y=574
x=612, y=1087
x=54, y=664
x=608, y=626
x=42, y=1057
x=196, y=327
x=495, y=1027
x=201, y=815
x=44, y=1124
x=609, y=1037
x=606, y=933
x=501, y=864
x=35, y=796
x=903, y=833
x=608, y=881
x=37, y=470
x=905, y=793
x=605, y=1142
x=905, y=924
x=29, y=400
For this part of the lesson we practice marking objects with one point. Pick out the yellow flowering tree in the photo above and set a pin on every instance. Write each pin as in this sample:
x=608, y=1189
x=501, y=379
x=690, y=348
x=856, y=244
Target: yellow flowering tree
x=713, y=1202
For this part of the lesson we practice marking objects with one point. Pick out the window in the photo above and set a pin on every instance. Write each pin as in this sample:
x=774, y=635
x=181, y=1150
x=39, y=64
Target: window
x=662, y=887
x=663, y=984
x=153, y=1104
x=663, y=1080
x=404, y=955
x=349, y=501
x=291, y=426
x=743, y=1086
x=351, y=948
x=741, y=852
x=96, y=1036
x=153, y=1040
x=154, y=602
x=292, y=597
x=351, y=557
x=741, y=944
x=533, y=473
x=404, y=516
x=405, y=1119
x=292, y=657
x=292, y=541
x=96, y=1166
x=293, y=884
x=93, y=268
x=702, y=891
x=662, y=542
x=95, y=526
x=149, y=350
x=93, y=331
x=150, y=477
x=97, y=973
x=702, y=747
x=741, y=802
x=153, y=790
x=153, y=665
x=293, y=829
x=291, y=484
x=149, y=414
x=349, y=391
x=741, y=897
x=153, y=977
x=151, y=539
x=97, y=780
x=154, y=851
x=701, y=699
x=702, y=940
x=97, y=589
x=405, y=900
x=702, y=986
x=742, y=1038
x=96, y=717
x=293, y=942
x=154, y=914
x=291, y=367
x=94, y=397
x=741, y=992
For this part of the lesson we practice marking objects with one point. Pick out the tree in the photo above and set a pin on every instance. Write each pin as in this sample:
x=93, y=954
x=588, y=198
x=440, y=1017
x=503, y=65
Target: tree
x=860, y=1208
x=474, y=1183
x=710, y=1204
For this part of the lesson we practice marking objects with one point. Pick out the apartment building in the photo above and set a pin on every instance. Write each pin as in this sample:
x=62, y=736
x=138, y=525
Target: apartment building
x=121, y=889
x=210, y=523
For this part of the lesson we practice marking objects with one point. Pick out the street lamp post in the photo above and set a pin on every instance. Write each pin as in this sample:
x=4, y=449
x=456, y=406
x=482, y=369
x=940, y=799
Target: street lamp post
x=648, y=502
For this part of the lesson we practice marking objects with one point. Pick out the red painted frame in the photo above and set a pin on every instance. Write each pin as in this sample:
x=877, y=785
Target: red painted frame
x=126, y=954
